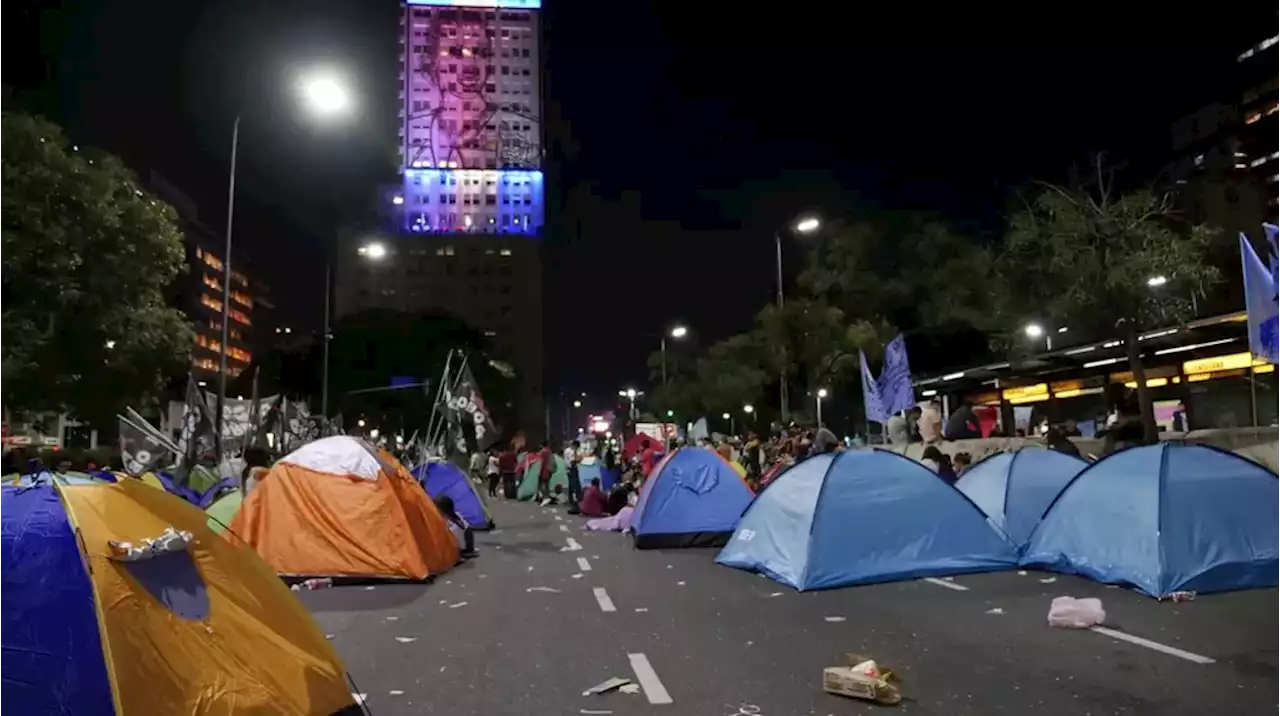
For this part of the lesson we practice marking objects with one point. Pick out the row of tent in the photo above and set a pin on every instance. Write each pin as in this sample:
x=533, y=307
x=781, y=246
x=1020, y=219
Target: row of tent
x=1162, y=518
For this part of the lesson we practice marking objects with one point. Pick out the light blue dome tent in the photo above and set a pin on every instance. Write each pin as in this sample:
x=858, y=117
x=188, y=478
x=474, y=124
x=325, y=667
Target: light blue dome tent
x=1165, y=518
x=863, y=516
x=1015, y=488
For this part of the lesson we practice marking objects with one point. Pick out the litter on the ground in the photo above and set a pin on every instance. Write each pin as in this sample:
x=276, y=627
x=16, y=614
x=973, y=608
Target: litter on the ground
x=1182, y=596
x=391, y=619
x=834, y=619
x=369, y=589
x=860, y=677
x=606, y=686
x=642, y=609
x=577, y=576
x=358, y=697
x=629, y=688
x=1022, y=572
x=459, y=604
x=776, y=594
x=995, y=610
x=397, y=692
x=1072, y=613
x=542, y=589
x=595, y=712
x=680, y=584
x=406, y=639
x=1048, y=580
x=328, y=636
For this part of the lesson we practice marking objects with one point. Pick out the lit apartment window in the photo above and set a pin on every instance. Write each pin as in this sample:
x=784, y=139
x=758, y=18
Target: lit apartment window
x=211, y=302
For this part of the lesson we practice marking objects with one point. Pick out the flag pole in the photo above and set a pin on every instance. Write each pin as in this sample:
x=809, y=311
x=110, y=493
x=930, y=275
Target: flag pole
x=444, y=378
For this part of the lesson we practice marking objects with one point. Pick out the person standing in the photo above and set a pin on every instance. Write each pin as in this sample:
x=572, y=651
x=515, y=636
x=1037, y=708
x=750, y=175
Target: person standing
x=492, y=473
x=507, y=469
x=575, y=483
x=545, y=466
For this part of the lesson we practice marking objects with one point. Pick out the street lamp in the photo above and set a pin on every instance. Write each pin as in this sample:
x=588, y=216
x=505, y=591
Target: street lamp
x=748, y=409
x=1157, y=281
x=807, y=225
x=577, y=403
x=822, y=393
x=325, y=95
x=677, y=333
x=372, y=250
x=729, y=417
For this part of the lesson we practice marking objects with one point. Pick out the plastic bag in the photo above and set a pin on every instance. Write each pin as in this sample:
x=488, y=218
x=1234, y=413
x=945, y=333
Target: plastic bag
x=1072, y=613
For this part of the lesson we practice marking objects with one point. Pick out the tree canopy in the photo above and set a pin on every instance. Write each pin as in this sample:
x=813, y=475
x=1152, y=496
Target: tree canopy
x=88, y=259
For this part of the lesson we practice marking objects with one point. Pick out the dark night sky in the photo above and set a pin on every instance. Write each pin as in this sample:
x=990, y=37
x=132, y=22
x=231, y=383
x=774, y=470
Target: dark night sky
x=692, y=134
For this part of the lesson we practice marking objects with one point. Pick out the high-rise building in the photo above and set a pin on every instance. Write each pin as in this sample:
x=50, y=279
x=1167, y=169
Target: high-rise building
x=465, y=221
x=199, y=292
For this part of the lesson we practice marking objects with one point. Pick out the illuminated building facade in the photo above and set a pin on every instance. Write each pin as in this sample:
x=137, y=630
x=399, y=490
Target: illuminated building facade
x=199, y=292
x=465, y=220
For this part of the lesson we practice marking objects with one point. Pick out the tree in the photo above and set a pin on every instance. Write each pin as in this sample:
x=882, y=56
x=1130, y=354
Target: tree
x=88, y=256
x=1082, y=256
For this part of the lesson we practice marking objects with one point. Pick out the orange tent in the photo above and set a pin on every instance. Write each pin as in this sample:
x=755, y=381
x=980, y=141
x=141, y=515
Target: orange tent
x=340, y=507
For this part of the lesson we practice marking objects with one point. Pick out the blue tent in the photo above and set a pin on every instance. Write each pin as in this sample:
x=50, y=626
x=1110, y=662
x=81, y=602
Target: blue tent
x=1165, y=518
x=863, y=516
x=694, y=498
x=1015, y=488
x=444, y=478
x=589, y=471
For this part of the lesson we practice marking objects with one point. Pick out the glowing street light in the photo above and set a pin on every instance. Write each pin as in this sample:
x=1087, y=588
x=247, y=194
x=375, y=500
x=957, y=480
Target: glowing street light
x=676, y=332
x=822, y=393
x=374, y=250
x=1034, y=330
x=748, y=409
x=1157, y=281
x=808, y=225
x=577, y=403
x=631, y=393
x=325, y=94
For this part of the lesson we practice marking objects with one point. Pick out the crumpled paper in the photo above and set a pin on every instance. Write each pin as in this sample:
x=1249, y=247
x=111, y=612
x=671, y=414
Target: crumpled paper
x=168, y=542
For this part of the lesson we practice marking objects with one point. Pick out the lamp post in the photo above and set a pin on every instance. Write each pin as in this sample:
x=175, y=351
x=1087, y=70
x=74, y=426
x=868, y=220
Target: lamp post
x=822, y=393
x=803, y=226
x=729, y=417
x=677, y=333
x=373, y=251
x=325, y=96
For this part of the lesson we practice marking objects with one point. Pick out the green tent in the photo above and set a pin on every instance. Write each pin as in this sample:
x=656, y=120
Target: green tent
x=559, y=476
x=223, y=510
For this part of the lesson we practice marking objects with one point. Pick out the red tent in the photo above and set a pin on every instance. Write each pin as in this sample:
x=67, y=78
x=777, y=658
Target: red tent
x=638, y=443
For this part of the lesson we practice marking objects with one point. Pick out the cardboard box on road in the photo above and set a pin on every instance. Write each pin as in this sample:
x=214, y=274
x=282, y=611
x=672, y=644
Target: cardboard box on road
x=844, y=681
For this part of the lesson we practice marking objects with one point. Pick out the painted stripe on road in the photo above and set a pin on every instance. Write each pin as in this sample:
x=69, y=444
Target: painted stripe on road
x=945, y=583
x=573, y=544
x=1154, y=645
x=602, y=598
x=649, y=681
x=583, y=564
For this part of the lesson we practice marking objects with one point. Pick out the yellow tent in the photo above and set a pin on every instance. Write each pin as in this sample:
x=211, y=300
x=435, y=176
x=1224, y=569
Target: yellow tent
x=191, y=625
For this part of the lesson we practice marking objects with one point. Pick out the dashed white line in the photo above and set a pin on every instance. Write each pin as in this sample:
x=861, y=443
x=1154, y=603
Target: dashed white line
x=649, y=681
x=1156, y=646
x=583, y=564
x=602, y=598
x=945, y=583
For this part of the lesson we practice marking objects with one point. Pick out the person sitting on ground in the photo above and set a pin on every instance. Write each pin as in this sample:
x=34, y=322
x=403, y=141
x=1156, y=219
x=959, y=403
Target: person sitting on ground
x=618, y=497
x=960, y=462
x=593, y=500
x=1055, y=439
x=458, y=527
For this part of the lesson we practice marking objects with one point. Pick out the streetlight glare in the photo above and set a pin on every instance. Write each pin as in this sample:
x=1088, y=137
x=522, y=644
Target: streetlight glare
x=1157, y=281
x=679, y=332
x=374, y=250
x=808, y=226
x=631, y=393
x=577, y=403
x=822, y=392
x=726, y=416
x=1034, y=330
x=326, y=95
x=748, y=408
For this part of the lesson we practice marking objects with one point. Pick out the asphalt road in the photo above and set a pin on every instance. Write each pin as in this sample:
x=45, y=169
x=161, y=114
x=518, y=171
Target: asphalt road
x=523, y=629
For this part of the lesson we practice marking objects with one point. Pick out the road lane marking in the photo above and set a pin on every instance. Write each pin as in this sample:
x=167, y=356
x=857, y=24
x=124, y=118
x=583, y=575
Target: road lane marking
x=573, y=545
x=583, y=564
x=945, y=583
x=649, y=681
x=602, y=598
x=1154, y=645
